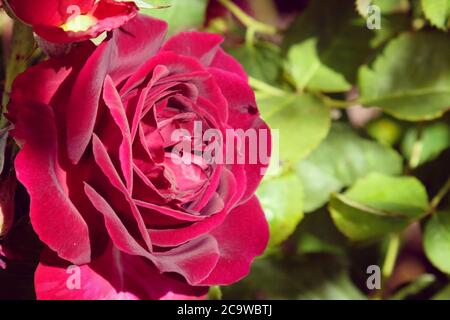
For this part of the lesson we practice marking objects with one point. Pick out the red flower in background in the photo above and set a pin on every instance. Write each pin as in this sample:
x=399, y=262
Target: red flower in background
x=106, y=194
x=64, y=21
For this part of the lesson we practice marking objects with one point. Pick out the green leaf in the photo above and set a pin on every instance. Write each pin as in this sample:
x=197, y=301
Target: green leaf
x=339, y=161
x=327, y=48
x=392, y=26
x=282, y=201
x=386, y=6
x=318, y=234
x=437, y=11
x=303, y=122
x=444, y=294
x=426, y=144
x=308, y=71
x=415, y=287
x=389, y=6
x=181, y=15
x=411, y=78
x=315, y=277
x=362, y=6
x=144, y=4
x=437, y=240
x=263, y=62
x=378, y=205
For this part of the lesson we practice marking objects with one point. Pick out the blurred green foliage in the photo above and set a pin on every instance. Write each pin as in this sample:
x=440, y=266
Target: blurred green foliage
x=355, y=188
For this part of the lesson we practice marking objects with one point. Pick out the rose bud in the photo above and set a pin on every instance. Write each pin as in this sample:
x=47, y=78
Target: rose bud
x=120, y=210
x=62, y=21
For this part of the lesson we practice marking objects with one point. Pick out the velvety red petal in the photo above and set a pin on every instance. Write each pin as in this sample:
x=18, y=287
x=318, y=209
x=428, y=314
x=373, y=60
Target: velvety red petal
x=48, y=17
x=54, y=217
x=206, y=48
x=194, y=260
x=177, y=214
x=118, y=57
x=175, y=237
x=114, y=103
x=113, y=276
x=199, y=45
x=48, y=12
x=242, y=237
x=244, y=114
x=50, y=75
x=120, y=236
x=104, y=162
x=129, y=51
x=224, y=61
x=110, y=15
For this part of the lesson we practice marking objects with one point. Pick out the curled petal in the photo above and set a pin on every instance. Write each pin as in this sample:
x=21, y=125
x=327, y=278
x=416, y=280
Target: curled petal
x=119, y=58
x=55, y=219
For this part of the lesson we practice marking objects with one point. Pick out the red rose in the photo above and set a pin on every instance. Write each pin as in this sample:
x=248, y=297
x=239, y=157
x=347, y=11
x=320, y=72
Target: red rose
x=64, y=21
x=107, y=192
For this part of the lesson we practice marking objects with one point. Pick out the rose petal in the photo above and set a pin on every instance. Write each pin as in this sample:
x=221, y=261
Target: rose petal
x=113, y=276
x=243, y=114
x=107, y=15
x=120, y=236
x=206, y=48
x=173, y=237
x=179, y=215
x=239, y=245
x=119, y=57
x=200, y=45
x=54, y=217
x=225, y=62
x=48, y=12
x=194, y=260
x=104, y=162
x=114, y=103
x=51, y=75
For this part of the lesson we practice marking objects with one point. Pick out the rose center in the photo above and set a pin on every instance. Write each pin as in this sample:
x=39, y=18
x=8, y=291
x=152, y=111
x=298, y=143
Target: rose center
x=79, y=23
